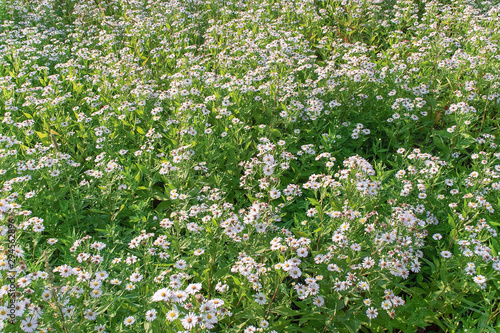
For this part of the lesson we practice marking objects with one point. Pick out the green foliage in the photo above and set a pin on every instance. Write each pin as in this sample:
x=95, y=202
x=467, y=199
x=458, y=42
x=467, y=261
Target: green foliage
x=286, y=166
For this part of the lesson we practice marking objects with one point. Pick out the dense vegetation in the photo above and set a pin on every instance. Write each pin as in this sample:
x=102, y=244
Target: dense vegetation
x=270, y=166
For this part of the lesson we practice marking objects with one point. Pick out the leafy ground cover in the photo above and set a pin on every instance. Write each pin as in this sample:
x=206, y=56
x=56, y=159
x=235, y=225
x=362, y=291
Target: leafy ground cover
x=252, y=166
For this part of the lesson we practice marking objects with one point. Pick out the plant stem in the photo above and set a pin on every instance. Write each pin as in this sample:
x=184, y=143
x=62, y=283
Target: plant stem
x=272, y=299
x=232, y=315
x=212, y=271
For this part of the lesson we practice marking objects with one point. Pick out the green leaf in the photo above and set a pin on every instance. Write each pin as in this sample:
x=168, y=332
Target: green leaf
x=44, y=137
x=285, y=311
x=311, y=317
x=247, y=314
x=163, y=206
x=313, y=201
x=496, y=246
x=137, y=177
x=236, y=280
x=439, y=142
x=142, y=168
x=301, y=234
x=465, y=141
x=276, y=132
x=451, y=221
x=160, y=196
